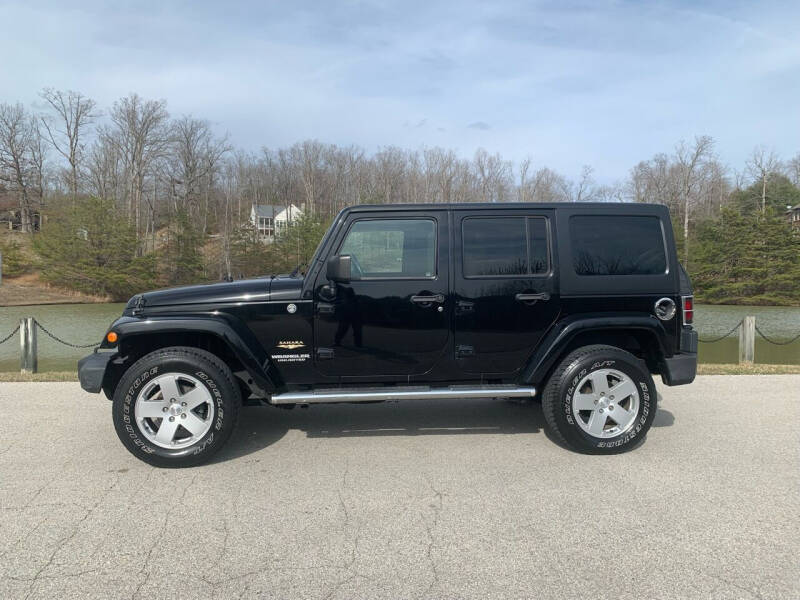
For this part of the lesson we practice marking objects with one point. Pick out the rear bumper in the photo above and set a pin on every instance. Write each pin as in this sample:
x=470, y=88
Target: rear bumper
x=682, y=367
x=92, y=369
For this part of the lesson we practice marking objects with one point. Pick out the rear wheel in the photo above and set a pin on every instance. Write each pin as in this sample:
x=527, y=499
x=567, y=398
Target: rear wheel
x=600, y=399
x=176, y=407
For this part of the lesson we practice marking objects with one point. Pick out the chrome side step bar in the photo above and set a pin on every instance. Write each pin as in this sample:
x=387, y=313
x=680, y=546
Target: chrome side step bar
x=326, y=396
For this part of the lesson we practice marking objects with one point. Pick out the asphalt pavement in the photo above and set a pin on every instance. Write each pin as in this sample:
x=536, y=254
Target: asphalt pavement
x=421, y=499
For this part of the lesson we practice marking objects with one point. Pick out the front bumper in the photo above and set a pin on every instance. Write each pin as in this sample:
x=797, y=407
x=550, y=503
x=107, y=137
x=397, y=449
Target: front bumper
x=682, y=367
x=92, y=369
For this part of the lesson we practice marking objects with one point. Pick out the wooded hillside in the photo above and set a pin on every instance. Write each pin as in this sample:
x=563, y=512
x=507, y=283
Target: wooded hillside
x=127, y=198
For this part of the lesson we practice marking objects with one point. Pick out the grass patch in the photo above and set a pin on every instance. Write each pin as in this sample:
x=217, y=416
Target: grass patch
x=52, y=376
x=755, y=369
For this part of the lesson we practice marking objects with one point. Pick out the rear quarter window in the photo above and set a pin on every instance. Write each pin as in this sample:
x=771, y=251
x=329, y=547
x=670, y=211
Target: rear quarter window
x=617, y=245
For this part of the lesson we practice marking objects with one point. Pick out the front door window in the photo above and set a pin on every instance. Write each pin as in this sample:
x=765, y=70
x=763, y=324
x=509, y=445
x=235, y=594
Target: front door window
x=391, y=248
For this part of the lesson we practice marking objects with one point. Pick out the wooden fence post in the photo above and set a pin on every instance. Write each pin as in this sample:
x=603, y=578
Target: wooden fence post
x=747, y=340
x=28, y=359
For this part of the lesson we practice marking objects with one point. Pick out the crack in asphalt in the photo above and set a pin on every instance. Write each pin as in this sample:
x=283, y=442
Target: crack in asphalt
x=157, y=538
x=730, y=583
x=346, y=526
x=437, y=510
x=66, y=539
x=27, y=534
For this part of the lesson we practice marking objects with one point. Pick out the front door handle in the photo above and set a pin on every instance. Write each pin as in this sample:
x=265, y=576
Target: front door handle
x=428, y=299
x=532, y=297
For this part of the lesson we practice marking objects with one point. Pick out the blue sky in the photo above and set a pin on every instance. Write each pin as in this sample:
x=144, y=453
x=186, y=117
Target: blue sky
x=566, y=83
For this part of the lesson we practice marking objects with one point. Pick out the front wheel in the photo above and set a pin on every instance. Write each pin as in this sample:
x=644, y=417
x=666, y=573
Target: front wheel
x=176, y=407
x=600, y=399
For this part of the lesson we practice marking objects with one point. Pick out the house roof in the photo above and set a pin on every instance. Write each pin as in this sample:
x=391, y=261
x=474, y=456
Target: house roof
x=270, y=210
x=266, y=210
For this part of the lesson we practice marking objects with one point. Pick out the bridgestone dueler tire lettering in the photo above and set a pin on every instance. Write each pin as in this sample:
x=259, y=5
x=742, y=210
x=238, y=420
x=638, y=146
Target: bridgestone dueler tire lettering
x=558, y=394
x=202, y=365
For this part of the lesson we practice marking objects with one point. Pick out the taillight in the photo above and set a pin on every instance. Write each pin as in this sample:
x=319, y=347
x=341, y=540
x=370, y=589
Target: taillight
x=688, y=309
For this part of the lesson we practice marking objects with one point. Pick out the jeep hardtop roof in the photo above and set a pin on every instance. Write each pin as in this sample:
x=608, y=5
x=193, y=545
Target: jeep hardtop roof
x=600, y=206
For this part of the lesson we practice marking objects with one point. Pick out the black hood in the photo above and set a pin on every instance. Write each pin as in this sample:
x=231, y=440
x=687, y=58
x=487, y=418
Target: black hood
x=282, y=287
x=212, y=293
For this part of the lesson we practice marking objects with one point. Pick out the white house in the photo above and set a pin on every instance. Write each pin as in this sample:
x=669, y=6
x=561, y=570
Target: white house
x=793, y=215
x=271, y=220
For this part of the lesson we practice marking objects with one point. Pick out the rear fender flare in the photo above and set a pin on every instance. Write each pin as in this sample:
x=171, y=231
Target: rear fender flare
x=555, y=342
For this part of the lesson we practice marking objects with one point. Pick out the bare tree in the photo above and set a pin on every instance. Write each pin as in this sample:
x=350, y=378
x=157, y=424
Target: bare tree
x=690, y=162
x=684, y=181
x=761, y=166
x=194, y=157
x=21, y=160
x=141, y=132
x=72, y=114
x=390, y=168
x=522, y=186
x=793, y=170
x=493, y=176
x=548, y=186
x=106, y=171
x=585, y=188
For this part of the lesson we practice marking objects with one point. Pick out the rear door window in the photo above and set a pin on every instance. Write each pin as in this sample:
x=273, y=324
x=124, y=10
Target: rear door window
x=504, y=246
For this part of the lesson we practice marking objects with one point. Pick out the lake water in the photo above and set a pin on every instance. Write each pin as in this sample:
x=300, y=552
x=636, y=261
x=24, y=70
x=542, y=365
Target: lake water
x=75, y=323
x=86, y=323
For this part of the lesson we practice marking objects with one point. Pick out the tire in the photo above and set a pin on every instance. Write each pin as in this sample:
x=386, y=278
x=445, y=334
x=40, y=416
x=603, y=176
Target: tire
x=196, y=394
x=579, y=404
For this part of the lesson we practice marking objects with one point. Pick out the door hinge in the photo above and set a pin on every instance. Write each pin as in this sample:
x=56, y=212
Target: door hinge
x=324, y=353
x=324, y=308
x=464, y=307
x=462, y=351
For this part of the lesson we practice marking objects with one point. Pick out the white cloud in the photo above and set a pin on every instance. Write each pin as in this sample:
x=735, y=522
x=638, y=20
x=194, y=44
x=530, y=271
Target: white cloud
x=606, y=84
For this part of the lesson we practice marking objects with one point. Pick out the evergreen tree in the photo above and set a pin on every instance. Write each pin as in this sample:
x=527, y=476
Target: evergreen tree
x=747, y=259
x=90, y=249
x=182, y=254
x=249, y=256
x=296, y=245
x=14, y=261
x=781, y=192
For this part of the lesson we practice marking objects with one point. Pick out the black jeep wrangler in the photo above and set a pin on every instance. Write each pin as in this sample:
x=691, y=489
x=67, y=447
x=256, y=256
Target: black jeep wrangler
x=575, y=303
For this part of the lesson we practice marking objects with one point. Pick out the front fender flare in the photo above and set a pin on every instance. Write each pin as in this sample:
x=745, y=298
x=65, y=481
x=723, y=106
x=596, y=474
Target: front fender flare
x=563, y=332
x=240, y=340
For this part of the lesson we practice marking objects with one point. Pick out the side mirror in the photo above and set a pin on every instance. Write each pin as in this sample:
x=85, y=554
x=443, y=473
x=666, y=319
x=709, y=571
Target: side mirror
x=339, y=268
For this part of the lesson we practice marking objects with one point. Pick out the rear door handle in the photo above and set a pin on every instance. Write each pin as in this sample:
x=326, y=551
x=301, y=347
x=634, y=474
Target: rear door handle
x=428, y=299
x=532, y=297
